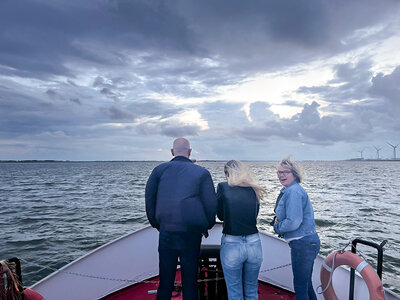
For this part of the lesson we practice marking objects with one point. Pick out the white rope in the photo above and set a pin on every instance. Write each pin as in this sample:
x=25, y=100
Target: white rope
x=330, y=270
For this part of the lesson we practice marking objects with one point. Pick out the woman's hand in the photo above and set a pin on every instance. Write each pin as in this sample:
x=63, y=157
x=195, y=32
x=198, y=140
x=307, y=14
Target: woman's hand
x=276, y=221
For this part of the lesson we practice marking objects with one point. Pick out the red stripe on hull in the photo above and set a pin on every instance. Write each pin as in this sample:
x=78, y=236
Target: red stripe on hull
x=140, y=291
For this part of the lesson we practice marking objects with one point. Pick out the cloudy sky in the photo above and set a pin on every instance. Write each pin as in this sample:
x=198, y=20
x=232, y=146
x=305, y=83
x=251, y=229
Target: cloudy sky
x=250, y=80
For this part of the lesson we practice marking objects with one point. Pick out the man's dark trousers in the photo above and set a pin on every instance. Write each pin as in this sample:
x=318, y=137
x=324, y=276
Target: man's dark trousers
x=186, y=246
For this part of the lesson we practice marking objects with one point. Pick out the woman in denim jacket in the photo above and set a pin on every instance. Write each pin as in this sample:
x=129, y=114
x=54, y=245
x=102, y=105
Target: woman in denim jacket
x=241, y=251
x=294, y=221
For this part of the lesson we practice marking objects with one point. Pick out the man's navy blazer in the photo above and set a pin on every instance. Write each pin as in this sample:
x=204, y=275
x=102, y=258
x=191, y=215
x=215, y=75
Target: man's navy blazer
x=180, y=197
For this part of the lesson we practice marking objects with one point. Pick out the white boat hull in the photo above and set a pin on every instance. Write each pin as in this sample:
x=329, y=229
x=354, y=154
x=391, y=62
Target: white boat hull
x=134, y=258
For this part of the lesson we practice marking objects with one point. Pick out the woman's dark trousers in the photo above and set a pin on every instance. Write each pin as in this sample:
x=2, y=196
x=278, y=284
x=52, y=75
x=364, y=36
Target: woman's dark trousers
x=303, y=253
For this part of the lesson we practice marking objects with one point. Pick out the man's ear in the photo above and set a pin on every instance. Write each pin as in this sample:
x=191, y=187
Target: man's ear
x=189, y=152
x=172, y=152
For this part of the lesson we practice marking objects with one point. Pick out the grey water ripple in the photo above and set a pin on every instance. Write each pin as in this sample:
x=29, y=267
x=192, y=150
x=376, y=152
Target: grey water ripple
x=53, y=213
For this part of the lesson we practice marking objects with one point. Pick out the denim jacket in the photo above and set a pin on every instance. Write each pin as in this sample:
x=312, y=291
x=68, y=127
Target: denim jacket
x=294, y=213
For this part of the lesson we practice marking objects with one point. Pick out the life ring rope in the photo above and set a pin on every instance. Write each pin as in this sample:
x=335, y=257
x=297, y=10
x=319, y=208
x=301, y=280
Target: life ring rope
x=369, y=275
x=330, y=270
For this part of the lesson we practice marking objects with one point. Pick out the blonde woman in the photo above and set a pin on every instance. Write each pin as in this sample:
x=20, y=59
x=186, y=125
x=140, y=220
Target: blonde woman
x=294, y=221
x=241, y=251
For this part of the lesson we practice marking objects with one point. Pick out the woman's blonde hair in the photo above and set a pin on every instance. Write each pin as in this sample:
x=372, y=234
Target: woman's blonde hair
x=239, y=175
x=294, y=167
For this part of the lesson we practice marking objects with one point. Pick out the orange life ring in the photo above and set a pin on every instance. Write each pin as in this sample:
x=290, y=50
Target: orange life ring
x=32, y=295
x=372, y=280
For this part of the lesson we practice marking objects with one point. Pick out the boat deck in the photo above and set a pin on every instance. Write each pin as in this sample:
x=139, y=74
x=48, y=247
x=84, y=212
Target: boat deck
x=134, y=256
x=140, y=291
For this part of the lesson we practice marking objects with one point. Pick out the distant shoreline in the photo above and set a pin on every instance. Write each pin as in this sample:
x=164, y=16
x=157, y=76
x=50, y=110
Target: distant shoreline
x=68, y=161
x=194, y=160
x=368, y=159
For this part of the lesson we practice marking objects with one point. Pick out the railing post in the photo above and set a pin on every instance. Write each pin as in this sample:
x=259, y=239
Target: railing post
x=379, y=262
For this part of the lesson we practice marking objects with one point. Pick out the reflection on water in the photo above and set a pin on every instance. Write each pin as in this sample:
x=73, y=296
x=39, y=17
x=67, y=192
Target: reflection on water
x=52, y=213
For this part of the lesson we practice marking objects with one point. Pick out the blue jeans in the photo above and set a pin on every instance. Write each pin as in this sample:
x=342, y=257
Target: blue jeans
x=303, y=253
x=241, y=258
x=186, y=246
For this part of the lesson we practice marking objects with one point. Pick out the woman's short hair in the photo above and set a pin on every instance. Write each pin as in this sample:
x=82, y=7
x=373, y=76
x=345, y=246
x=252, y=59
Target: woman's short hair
x=294, y=167
x=239, y=175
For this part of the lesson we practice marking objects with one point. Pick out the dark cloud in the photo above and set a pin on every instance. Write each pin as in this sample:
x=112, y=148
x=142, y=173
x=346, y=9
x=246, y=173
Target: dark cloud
x=21, y=114
x=309, y=127
x=117, y=114
x=107, y=92
x=39, y=37
x=25, y=114
x=54, y=34
x=102, y=82
x=388, y=87
x=112, y=87
x=271, y=34
x=376, y=97
x=353, y=73
x=76, y=100
x=52, y=93
x=375, y=106
x=353, y=80
x=304, y=23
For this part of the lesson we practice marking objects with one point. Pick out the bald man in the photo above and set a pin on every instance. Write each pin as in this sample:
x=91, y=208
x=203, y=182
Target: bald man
x=181, y=204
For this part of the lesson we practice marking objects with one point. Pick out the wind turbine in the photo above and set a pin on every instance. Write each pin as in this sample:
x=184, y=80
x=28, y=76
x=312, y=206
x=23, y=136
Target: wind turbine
x=377, y=151
x=394, y=150
x=361, y=153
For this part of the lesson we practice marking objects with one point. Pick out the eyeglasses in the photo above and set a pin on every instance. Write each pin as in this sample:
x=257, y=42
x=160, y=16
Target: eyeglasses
x=283, y=172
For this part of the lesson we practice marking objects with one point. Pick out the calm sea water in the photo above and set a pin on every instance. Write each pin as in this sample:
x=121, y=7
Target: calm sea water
x=52, y=213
